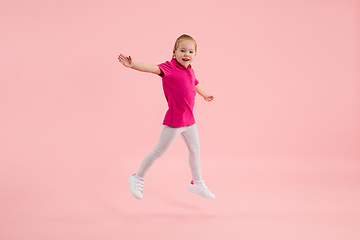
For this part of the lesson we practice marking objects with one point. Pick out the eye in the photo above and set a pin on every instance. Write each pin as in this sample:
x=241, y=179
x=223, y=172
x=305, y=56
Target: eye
x=191, y=52
x=182, y=51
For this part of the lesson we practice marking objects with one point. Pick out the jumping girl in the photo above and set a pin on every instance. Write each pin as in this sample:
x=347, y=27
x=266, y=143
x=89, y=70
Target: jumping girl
x=180, y=87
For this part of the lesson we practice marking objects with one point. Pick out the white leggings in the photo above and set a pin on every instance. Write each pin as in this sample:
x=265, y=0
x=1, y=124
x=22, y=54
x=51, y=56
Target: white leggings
x=167, y=137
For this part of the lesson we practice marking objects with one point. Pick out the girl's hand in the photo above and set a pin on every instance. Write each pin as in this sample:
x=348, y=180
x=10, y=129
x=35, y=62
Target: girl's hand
x=209, y=97
x=126, y=61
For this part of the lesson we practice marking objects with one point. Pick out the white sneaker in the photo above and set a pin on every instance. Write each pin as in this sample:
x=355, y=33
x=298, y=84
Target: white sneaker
x=201, y=189
x=136, y=185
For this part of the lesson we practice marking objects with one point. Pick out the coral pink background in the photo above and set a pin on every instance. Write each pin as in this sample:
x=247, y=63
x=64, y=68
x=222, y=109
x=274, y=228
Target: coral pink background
x=280, y=142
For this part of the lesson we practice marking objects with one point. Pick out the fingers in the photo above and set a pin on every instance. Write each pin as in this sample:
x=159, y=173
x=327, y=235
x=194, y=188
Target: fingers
x=124, y=60
x=122, y=57
x=209, y=99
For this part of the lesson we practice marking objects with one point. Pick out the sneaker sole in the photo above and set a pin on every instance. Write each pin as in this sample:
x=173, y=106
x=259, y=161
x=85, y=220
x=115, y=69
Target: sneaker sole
x=199, y=193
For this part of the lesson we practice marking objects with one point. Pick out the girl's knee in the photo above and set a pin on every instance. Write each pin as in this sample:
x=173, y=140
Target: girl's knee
x=194, y=150
x=159, y=151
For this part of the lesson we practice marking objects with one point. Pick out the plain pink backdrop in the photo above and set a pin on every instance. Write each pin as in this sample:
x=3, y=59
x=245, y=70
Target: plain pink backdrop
x=280, y=142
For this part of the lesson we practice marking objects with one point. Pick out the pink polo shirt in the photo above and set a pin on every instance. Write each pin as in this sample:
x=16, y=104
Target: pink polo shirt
x=179, y=89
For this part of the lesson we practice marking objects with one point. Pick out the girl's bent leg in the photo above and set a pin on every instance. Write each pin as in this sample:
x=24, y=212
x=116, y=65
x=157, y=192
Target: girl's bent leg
x=191, y=138
x=167, y=137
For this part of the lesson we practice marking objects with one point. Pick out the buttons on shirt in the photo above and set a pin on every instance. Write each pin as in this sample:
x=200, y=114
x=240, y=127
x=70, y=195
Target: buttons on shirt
x=190, y=75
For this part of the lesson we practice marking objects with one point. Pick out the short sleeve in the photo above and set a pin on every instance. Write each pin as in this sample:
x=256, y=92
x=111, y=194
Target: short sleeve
x=196, y=82
x=165, y=69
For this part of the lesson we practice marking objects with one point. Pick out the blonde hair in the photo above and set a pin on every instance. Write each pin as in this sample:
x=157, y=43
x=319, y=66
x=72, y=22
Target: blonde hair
x=183, y=37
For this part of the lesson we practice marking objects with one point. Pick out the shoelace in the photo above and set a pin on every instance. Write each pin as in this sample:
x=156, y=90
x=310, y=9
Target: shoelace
x=138, y=185
x=205, y=187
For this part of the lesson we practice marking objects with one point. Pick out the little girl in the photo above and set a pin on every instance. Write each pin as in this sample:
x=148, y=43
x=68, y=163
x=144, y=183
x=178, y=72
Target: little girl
x=180, y=86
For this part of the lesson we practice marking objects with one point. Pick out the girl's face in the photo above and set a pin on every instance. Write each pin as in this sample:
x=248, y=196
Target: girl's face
x=185, y=53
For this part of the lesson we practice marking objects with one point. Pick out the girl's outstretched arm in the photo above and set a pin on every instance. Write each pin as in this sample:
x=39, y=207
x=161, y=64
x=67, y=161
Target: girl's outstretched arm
x=143, y=67
x=207, y=96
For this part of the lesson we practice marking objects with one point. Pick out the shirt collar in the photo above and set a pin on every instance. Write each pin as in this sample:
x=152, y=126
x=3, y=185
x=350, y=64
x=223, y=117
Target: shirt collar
x=177, y=64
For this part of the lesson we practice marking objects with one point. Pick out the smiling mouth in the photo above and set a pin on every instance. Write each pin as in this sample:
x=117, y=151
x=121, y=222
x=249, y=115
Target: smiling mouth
x=185, y=59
